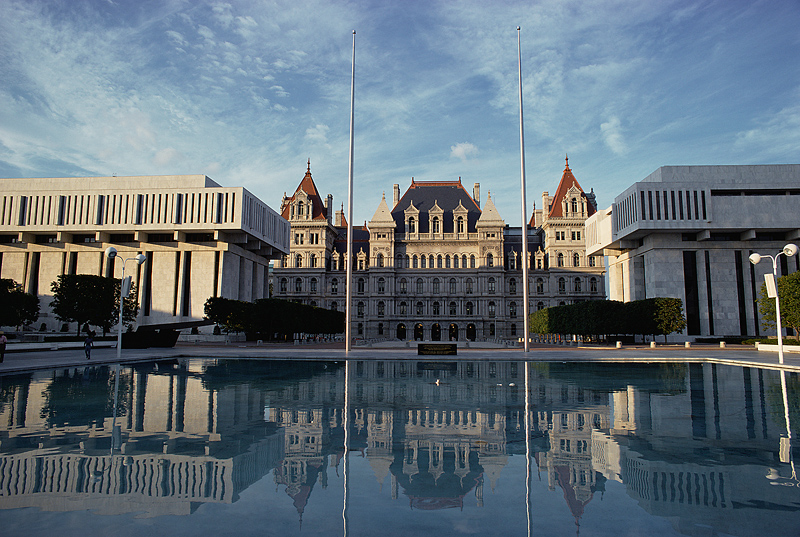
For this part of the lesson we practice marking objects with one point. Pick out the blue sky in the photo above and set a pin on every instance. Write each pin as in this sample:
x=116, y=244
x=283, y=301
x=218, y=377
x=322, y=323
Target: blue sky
x=247, y=91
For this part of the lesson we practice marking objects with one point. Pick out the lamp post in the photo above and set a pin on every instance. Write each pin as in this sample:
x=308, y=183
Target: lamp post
x=772, y=287
x=124, y=289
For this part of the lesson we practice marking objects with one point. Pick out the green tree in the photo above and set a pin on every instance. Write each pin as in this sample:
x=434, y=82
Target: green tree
x=93, y=300
x=17, y=308
x=789, y=295
x=668, y=316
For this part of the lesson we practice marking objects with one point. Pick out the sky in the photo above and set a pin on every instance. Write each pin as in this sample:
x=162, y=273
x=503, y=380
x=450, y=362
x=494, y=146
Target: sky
x=248, y=91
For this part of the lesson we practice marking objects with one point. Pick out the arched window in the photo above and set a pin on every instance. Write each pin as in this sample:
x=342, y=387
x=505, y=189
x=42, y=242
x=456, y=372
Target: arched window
x=592, y=261
x=403, y=308
x=453, y=308
x=512, y=286
x=284, y=283
x=512, y=309
x=539, y=305
x=560, y=258
x=452, y=286
x=313, y=260
x=455, y=261
x=447, y=261
x=403, y=286
x=539, y=285
x=298, y=285
x=464, y=261
x=436, y=224
x=468, y=286
x=430, y=261
x=381, y=308
x=381, y=286
x=460, y=224
x=574, y=205
x=420, y=286
x=492, y=308
x=489, y=260
x=420, y=308
x=491, y=285
x=415, y=261
x=436, y=288
x=334, y=306
x=576, y=260
x=398, y=262
x=300, y=209
x=438, y=261
x=562, y=286
x=360, y=309
x=380, y=260
x=423, y=261
x=313, y=288
x=408, y=261
x=412, y=225
x=298, y=261
x=436, y=308
x=470, y=309
x=360, y=285
x=313, y=303
x=334, y=286
x=472, y=261
x=592, y=285
x=577, y=285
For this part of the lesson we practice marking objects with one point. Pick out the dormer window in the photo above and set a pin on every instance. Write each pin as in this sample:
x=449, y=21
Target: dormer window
x=412, y=225
x=460, y=225
x=436, y=224
x=574, y=205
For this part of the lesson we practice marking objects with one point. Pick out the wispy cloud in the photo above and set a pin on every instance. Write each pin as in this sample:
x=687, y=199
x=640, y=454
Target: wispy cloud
x=612, y=135
x=463, y=151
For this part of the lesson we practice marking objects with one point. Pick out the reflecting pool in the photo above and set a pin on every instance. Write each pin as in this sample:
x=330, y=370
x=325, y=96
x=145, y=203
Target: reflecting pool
x=370, y=447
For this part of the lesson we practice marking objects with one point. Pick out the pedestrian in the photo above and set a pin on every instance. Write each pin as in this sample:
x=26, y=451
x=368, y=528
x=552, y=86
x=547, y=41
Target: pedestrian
x=87, y=345
x=3, y=341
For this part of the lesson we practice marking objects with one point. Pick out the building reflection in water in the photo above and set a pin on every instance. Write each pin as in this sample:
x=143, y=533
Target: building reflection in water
x=700, y=445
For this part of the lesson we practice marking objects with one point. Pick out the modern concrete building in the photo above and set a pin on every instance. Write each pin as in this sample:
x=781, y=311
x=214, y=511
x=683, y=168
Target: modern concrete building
x=200, y=240
x=687, y=232
x=436, y=264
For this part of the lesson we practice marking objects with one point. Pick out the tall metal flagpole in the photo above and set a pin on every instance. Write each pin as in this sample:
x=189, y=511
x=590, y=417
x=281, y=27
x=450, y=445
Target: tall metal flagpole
x=349, y=257
x=525, y=259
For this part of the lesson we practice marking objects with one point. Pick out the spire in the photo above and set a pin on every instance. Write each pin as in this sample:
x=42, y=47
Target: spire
x=309, y=165
x=567, y=165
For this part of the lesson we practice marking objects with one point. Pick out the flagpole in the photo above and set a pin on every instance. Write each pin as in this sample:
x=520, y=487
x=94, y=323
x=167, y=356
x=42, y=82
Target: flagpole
x=525, y=260
x=349, y=258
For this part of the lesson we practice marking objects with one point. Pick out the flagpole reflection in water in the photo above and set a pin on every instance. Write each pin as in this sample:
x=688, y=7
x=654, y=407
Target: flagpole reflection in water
x=788, y=451
x=116, y=432
x=346, y=425
x=528, y=447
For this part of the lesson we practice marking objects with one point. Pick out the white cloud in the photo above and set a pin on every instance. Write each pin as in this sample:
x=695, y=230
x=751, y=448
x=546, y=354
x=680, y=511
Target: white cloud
x=317, y=133
x=463, y=151
x=612, y=136
x=167, y=156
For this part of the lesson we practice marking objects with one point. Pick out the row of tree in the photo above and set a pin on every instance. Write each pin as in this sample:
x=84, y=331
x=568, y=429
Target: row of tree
x=17, y=308
x=268, y=318
x=789, y=293
x=652, y=316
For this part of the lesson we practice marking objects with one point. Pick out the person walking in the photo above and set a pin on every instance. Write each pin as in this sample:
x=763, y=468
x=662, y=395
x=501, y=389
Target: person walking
x=3, y=341
x=87, y=345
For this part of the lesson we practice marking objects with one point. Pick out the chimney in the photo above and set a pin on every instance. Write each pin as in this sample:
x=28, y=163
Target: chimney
x=329, y=208
x=396, y=195
x=339, y=218
x=476, y=193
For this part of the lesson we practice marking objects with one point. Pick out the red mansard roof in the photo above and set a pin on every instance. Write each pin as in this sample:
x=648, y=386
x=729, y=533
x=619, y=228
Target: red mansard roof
x=567, y=181
x=308, y=186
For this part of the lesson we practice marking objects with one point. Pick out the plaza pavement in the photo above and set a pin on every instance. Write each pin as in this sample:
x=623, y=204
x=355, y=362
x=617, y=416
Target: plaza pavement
x=739, y=355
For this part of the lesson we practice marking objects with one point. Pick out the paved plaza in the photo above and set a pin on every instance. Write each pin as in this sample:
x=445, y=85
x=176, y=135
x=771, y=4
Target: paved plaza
x=740, y=355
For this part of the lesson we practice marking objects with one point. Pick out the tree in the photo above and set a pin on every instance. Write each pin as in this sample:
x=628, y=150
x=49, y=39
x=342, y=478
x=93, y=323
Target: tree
x=789, y=295
x=93, y=300
x=17, y=308
x=668, y=316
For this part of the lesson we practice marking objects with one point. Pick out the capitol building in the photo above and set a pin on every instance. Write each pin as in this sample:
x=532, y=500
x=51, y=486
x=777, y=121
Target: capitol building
x=439, y=263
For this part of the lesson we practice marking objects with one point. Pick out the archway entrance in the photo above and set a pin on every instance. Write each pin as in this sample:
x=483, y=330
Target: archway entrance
x=401, y=331
x=418, y=332
x=436, y=332
x=453, y=332
x=471, y=332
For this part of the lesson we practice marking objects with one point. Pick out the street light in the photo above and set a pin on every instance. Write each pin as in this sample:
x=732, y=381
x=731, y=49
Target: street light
x=772, y=287
x=124, y=289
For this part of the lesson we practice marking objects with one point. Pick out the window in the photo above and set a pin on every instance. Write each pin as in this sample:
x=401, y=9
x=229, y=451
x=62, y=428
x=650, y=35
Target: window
x=464, y=261
x=403, y=308
x=415, y=261
x=298, y=285
x=472, y=261
x=562, y=286
x=423, y=261
x=436, y=224
x=283, y=285
x=592, y=261
x=592, y=285
x=360, y=286
x=420, y=286
x=313, y=260
x=380, y=260
x=491, y=284
x=360, y=309
x=460, y=224
x=513, y=329
x=420, y=308
x=436, y=287
x=313, y=285
x=436, y=308
x=470, y=309
x=512, y=286
x=399, y=261
x=430, y=261
x=512, y=309
x=453, y=308
x=574, y=205
x=539, y=285
x=298, y=261
x=334, y=306
x=447, y=261
x=576, y=260
x=489, y=260
x=468, y=286
x=380, y=329
x=539, y=305
x=455, y=261
x=381, y=286
x=560, y=259
x=381, y=308
x=360, y=264
x=335, y=286
x=403, y=286
x=492, y=308
x=438, y=262
x=452, y=286
x=577, y=285
x=412, y=225
x=360, y=329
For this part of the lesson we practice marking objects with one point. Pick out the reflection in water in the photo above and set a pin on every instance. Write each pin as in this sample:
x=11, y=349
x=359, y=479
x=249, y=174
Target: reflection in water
x=701, y=446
